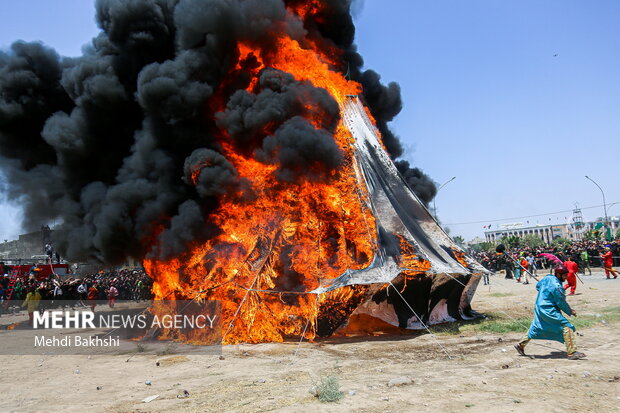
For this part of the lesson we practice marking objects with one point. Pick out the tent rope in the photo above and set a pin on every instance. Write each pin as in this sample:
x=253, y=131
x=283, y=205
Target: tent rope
x=302, y=335
x=240, y=305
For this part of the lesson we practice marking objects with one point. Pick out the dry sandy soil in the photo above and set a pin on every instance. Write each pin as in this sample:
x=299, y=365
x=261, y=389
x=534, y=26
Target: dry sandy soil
x=478, y=371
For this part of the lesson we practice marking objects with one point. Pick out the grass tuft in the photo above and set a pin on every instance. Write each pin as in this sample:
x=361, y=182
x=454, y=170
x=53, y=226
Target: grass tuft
x=611, y=314
x=328, y=390
x=517, y=325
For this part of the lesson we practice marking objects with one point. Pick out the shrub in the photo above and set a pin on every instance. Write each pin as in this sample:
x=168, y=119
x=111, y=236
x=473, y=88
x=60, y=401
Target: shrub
x=328, y=391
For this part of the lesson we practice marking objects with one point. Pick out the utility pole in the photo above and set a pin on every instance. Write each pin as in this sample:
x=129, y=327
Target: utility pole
x=606, y=223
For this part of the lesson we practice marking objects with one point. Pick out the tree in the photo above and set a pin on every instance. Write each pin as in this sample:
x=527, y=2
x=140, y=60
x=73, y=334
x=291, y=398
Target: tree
x=484, y=246
x=512, y=241
x=561, y=242
x=458, y=240
x=532, y=241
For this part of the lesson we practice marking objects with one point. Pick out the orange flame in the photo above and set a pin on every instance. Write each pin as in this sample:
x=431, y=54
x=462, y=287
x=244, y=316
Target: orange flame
x=292, y=238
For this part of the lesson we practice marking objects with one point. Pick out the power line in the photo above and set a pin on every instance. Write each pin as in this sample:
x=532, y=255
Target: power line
x=527, y=216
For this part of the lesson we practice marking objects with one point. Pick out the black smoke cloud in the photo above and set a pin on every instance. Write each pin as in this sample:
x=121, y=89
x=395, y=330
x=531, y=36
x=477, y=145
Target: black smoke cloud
x=417, y=180
x=279, y=109
x=279, y=97
x=211, y=172
x=121, y=144
x=297, y=147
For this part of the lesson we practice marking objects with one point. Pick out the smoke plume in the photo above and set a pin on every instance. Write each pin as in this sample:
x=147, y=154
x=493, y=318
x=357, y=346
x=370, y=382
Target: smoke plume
x=121, y=144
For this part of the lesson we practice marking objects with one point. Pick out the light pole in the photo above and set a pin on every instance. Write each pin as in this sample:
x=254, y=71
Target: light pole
x=604, y=202
x=439, y=189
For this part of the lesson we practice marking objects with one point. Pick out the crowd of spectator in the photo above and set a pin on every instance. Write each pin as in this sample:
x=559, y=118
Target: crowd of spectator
x=586, y=254
x=125, y=284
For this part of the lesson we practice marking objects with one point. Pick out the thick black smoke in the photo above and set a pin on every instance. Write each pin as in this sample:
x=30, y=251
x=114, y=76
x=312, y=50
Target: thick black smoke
x=425, y=188
x=210, y=172
x=121, y=144
x=279, y=108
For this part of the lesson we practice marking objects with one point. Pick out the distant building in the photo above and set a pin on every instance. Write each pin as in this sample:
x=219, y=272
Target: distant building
x=548, y=233
x=614, y=222
x=26, y=246
x=30, y=248
x=475, y=241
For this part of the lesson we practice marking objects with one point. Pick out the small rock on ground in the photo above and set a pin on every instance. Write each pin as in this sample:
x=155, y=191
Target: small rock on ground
x=399, y=381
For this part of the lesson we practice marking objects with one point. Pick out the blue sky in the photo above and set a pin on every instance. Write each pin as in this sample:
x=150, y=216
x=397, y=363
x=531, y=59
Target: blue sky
x=485, y=99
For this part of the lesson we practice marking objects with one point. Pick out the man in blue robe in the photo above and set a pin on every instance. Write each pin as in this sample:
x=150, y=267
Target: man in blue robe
x=549, y=323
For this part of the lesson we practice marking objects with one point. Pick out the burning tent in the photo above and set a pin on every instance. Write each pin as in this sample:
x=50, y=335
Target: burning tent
x=389, y=258
x=238, y=149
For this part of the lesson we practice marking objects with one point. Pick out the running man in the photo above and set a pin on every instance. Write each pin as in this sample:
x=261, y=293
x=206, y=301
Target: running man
x=549, y=323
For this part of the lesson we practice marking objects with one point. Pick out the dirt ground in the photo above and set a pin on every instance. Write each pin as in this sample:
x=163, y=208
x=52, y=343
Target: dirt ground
x=463, y=369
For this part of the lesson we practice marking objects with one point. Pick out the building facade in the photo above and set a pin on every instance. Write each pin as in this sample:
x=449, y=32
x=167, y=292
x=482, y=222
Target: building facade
x=545, y=232
x=548, y=233
x=26, y=246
